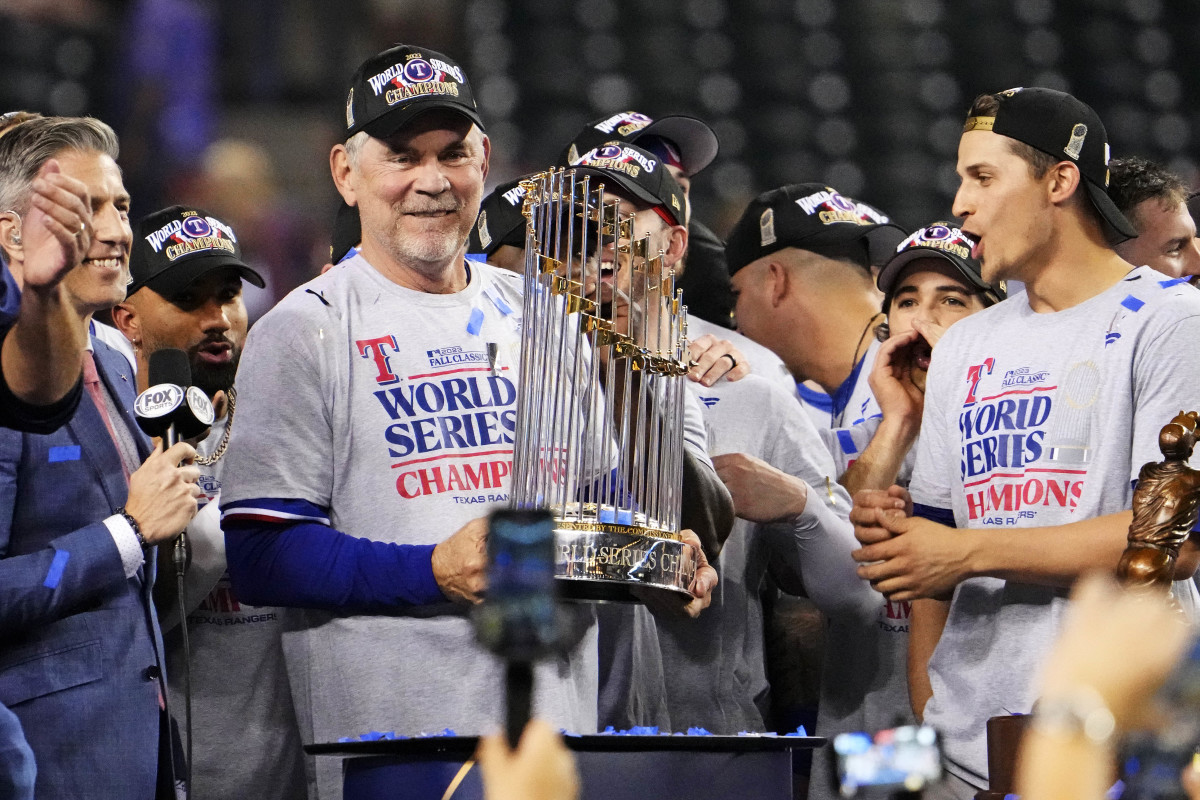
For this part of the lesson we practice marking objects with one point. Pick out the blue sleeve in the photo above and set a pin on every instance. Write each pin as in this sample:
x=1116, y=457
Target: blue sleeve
x=308, y=564
x=10, y=295
x=942, y=516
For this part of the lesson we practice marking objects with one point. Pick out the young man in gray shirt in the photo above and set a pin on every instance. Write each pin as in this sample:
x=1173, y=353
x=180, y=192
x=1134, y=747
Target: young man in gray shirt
x=1039, y=412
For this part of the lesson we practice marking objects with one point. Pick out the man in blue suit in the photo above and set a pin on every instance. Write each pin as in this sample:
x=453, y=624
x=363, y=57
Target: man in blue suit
x=80, y=651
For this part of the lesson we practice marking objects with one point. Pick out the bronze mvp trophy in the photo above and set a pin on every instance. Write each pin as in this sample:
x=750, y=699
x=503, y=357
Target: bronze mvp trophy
x=599, y=433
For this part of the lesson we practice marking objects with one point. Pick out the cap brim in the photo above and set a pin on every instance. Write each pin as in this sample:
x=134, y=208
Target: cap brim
x=394, y=120
x=1117, y=223
x=174, y=279
x=697, y=143
x=882, y=241
x=891, y=270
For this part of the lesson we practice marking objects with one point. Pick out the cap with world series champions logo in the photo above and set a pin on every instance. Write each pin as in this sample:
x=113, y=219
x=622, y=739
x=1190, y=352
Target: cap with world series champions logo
x=500, y=219
x=392, y=88
x=946, y=242
x=685, y=142
x=640, y=174
x=814, y=217
x=177, y=245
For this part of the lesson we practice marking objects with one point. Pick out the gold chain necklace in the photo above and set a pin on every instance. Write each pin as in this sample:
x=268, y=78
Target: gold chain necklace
x=205, y=461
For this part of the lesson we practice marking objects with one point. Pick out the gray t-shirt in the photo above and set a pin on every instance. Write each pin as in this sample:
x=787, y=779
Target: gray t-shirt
x=762, y=361
x=381, y=404
x=1034, y=420
x=246, y=740
x=715, y=665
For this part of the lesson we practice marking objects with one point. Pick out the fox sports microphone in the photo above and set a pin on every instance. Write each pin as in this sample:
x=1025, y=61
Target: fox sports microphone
x=172, y=408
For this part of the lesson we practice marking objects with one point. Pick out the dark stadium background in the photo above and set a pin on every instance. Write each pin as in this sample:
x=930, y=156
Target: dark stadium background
x=867, y=95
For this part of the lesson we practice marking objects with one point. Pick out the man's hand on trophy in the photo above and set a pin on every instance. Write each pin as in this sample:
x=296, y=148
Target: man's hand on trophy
x=713, y=358
x=662, y=601
x=460, y=563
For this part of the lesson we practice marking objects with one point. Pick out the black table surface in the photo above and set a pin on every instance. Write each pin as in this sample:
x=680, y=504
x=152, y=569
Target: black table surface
x=465, y=745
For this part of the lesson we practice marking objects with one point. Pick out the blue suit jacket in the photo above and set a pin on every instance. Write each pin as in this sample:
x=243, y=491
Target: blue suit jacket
x=79, y=643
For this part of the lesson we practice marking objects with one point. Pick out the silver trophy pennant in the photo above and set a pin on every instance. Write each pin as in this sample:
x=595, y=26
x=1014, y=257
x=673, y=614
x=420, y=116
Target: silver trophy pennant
x=599, y=433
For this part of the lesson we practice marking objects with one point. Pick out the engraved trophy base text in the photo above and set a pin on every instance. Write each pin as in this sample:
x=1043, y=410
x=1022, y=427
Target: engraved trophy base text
x=597, y=560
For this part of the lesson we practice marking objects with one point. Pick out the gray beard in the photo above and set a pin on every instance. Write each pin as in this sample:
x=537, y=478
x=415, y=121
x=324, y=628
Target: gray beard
x=428, y=249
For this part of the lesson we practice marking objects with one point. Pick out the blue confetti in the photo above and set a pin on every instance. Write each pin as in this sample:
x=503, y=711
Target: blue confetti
x=847, y=442
x=1169, y=282
x=57, y=565
x=619, y=516
x=1132, y=303
x=499, y=303
x=66, y=452
x=475, y=323
x=697, y=732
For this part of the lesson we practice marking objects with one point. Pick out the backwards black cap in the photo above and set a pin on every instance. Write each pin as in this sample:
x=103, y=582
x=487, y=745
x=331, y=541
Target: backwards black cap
x=815, y=217
x=942, y=240
x=684, y=141
x=175, y=246
x=390, y=89
x=1060, y=125
x=500, y=220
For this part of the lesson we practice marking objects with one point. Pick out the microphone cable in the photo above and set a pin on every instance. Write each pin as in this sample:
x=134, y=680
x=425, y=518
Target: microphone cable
x=180, y=556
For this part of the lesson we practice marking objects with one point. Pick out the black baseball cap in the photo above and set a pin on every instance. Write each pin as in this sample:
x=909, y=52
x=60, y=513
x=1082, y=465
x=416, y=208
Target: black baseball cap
x=347, y=233
x=639, y=173
x=814, y=217
x=175, y=246
x=685, y=141
x=942, y=240
x=500, y=220
x=392, y=88
x=1060, y=125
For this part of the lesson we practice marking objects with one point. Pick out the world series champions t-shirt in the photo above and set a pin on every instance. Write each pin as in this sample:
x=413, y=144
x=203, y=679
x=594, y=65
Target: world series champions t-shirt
x=385, y=408
x=1035, y=420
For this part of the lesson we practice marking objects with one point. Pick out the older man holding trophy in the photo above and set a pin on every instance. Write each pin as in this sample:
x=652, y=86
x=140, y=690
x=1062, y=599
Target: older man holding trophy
x=385, y=426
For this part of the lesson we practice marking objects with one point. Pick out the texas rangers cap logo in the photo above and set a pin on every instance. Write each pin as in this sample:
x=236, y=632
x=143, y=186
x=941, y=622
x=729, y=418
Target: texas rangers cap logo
x=196, y=227
x=418, y=71
x=606, y=152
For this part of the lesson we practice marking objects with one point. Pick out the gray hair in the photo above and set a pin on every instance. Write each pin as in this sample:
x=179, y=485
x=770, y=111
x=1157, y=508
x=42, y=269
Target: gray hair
x=354, y=146
x=27, y=145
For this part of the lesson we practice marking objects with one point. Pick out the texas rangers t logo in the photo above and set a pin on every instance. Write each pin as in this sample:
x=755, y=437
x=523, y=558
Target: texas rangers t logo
x=974, y=374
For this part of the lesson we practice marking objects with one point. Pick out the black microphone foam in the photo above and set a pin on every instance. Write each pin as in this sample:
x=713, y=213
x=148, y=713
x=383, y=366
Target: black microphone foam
x=167, y=411
x=170, y=365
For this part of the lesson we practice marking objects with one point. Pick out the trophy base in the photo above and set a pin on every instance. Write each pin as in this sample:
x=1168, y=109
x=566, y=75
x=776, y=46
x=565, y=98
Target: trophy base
x=596, y=561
